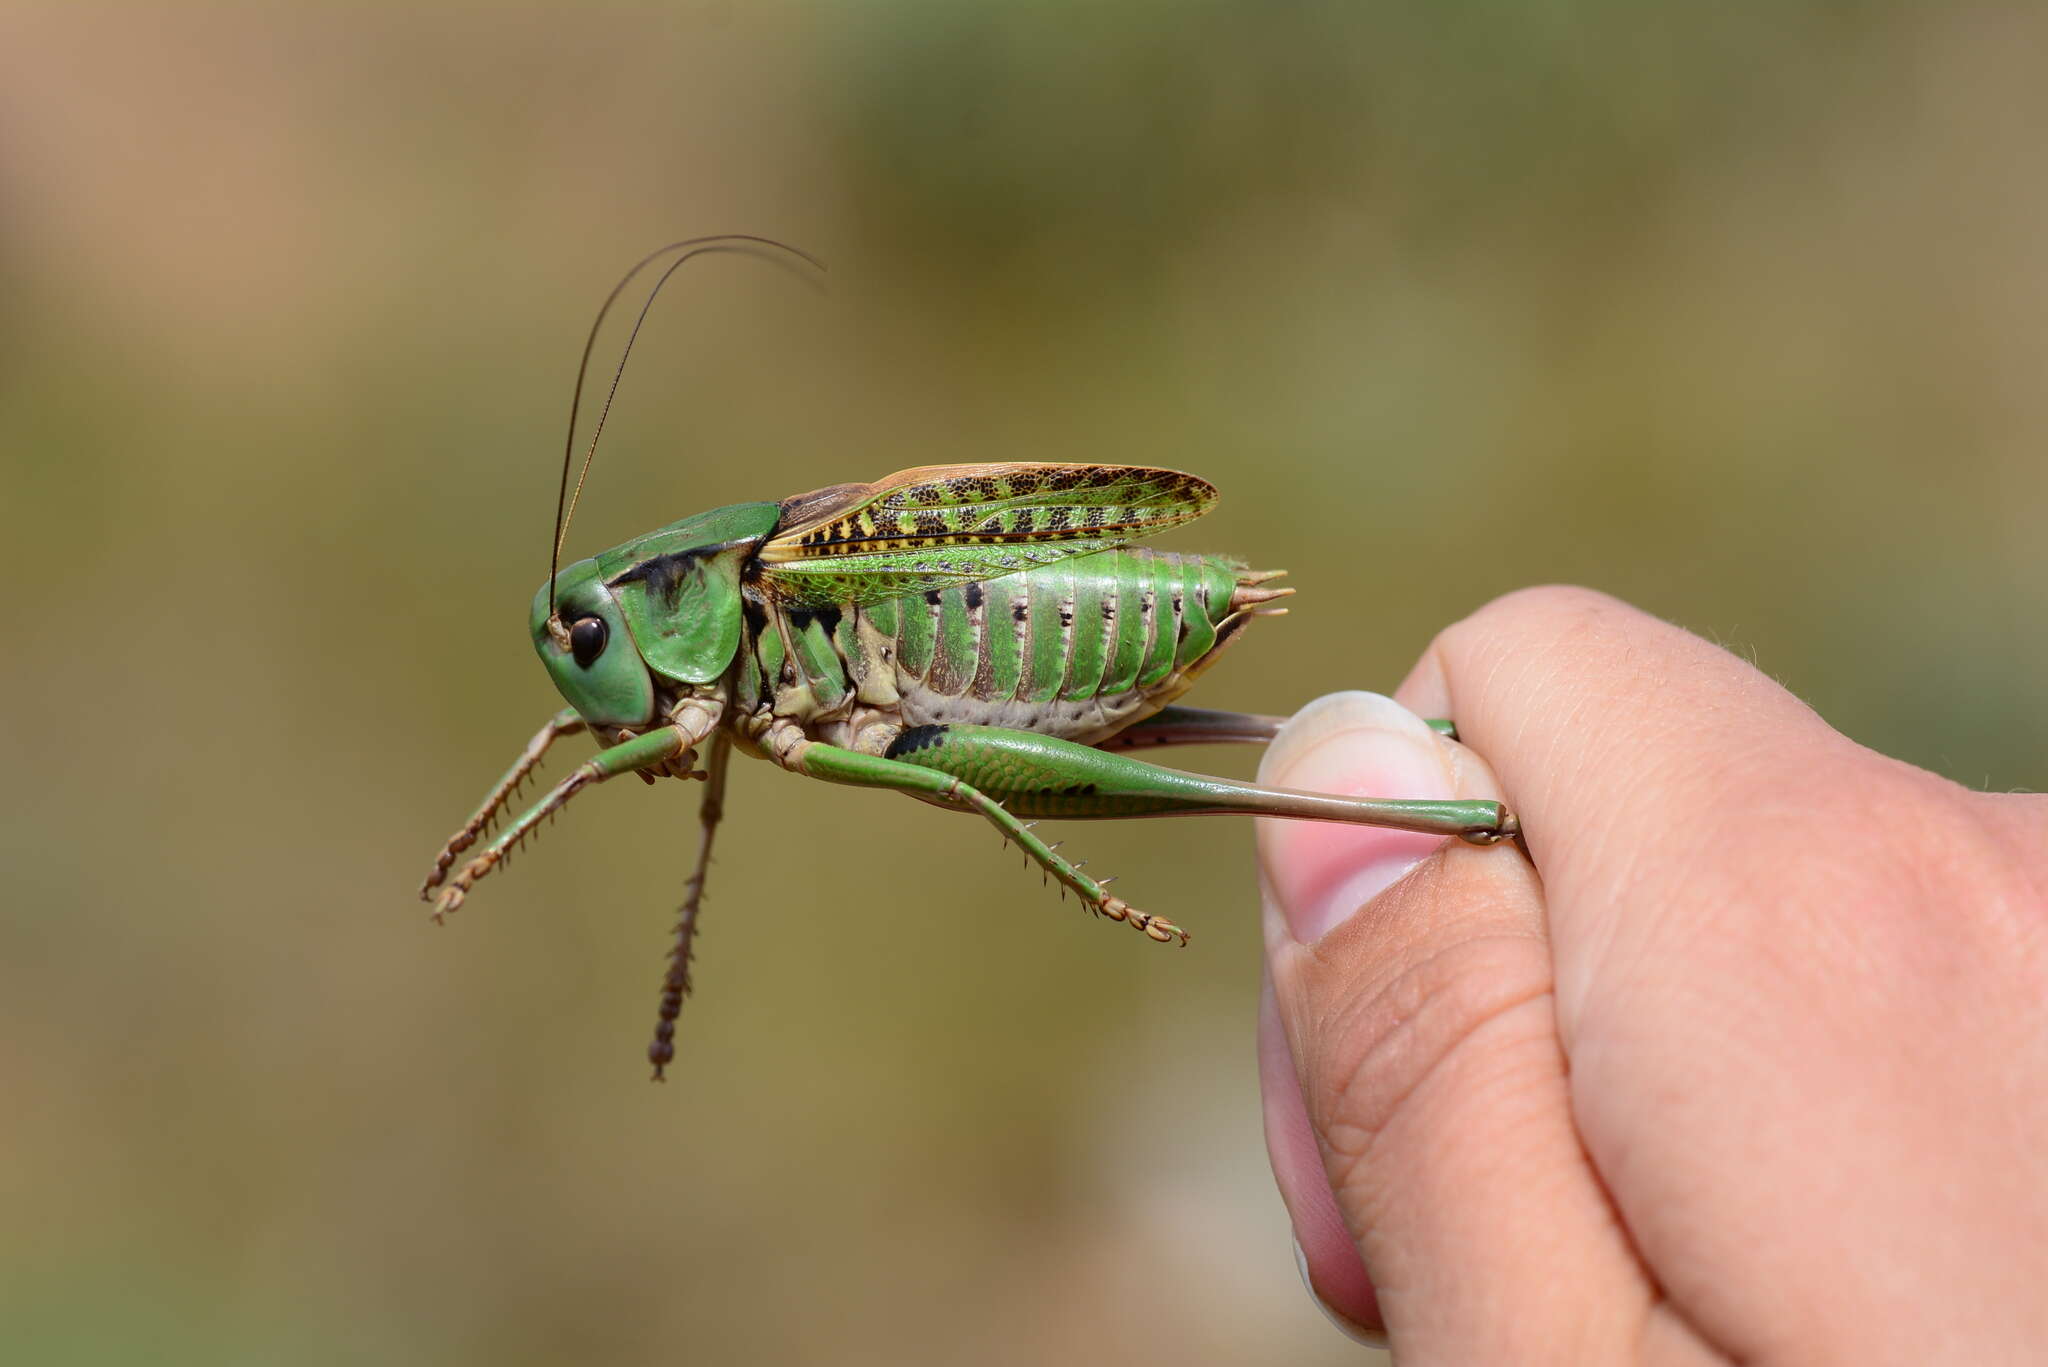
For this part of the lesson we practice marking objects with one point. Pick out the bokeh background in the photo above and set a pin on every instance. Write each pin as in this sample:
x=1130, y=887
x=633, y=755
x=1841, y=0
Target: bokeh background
x=1736, y=310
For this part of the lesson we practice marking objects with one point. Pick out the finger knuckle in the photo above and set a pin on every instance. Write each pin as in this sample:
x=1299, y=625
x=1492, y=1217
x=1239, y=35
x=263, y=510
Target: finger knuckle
x=1964, y=898
x=1524, y=635
x=1429, y=1016
x=1545, y=609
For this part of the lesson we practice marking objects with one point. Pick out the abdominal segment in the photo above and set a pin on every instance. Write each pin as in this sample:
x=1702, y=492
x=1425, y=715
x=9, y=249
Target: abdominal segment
x=1078, y=649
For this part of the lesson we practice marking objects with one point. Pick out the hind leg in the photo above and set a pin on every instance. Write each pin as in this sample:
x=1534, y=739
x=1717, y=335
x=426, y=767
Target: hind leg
x=835, y=765
x=1201, y=726
x=1021, y=773
x=1036, y=775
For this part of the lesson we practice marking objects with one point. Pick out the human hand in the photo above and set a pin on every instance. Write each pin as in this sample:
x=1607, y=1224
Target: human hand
x=1755, y=1070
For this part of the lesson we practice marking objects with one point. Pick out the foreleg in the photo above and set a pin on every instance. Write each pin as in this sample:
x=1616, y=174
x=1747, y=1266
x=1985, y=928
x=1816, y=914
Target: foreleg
x=654, y=748
x=564, y=723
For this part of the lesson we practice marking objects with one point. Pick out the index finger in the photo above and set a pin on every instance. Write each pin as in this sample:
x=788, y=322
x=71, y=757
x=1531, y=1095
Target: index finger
x=1640, y=760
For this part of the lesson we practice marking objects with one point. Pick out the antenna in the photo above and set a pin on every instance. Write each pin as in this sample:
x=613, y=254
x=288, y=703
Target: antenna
x=745, y=244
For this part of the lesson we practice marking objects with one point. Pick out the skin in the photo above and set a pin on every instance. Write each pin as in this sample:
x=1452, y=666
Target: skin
x=1755, y=1071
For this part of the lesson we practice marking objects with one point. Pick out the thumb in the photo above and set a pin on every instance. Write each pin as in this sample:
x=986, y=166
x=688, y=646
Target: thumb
x=1412, y=982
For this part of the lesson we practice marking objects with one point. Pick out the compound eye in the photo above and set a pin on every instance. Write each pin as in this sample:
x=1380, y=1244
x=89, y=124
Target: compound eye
x=587, y=638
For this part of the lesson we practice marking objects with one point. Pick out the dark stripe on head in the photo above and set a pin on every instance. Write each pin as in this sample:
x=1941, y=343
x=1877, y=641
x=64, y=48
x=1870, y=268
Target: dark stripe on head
x=662, y=574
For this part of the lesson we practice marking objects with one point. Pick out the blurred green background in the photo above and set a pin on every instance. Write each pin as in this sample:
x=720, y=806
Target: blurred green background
x=1736, y=310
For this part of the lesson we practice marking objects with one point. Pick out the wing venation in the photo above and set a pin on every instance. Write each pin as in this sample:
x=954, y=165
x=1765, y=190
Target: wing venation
x=947, y=524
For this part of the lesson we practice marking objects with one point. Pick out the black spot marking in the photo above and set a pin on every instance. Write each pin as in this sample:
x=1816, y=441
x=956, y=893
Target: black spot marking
x=663, y=575
x=1020, y=611
x=828, y=618
x=801, y=618
x=915, y=739
x=974, y=596
x=756, y=615
x=931, y=596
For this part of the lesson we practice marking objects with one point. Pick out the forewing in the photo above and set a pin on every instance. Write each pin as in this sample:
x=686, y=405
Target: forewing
x=950, y=524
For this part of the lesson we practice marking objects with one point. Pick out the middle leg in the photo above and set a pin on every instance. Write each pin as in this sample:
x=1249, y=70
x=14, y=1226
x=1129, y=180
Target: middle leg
x=675, y=984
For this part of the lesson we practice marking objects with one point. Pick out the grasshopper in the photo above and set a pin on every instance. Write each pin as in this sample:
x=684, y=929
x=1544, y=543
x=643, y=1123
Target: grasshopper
x=983, y=637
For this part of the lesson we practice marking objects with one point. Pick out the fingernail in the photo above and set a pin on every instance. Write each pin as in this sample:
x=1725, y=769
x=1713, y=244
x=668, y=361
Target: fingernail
x=1354, y=744
x=1351, y=1329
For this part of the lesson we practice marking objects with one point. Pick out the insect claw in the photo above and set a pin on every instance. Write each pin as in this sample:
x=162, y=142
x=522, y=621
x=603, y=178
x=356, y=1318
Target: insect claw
x=448, y=901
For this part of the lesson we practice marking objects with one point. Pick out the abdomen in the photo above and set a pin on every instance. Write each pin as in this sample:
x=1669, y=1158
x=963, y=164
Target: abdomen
x=1078, y=649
